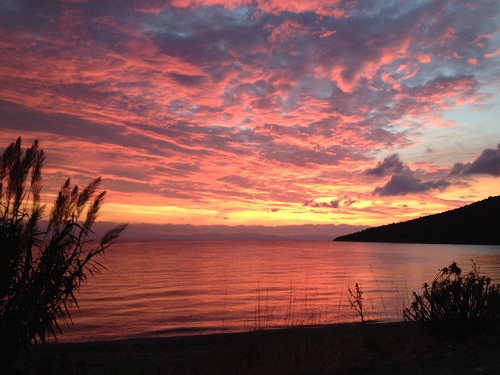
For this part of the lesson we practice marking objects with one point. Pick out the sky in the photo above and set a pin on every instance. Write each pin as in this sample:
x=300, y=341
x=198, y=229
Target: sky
x=258, y=113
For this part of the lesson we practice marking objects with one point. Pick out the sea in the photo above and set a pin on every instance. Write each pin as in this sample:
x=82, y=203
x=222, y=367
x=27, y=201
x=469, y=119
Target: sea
x=172, y=288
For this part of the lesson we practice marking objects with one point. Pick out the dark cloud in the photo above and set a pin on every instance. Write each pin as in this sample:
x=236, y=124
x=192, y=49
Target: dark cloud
x=407, y=183
x=332, y=204
x=295, y=155
x=335, y=203
x=236, y=180
x=391, y=164
x=487, y=163
x=24, y=119
x=205, y=34
x=349, y=201
x=187, y=80
x=305, y=156
x=403, y=180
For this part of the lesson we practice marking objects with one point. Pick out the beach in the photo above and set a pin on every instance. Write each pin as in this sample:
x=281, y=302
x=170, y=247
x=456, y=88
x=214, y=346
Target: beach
x=372, y=348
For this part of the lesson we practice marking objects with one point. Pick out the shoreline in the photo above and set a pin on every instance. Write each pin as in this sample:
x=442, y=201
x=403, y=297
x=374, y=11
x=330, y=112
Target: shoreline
x=397, y=347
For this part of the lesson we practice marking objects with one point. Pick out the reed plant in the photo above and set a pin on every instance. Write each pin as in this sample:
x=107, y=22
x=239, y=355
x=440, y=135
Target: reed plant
x=456, y=304
x=41, y=270
x=296, y=309
x=356, y=301
x=289, y=311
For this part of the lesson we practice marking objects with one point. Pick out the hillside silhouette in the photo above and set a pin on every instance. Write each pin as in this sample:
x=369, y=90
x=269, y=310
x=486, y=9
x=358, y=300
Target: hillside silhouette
x=477, y=223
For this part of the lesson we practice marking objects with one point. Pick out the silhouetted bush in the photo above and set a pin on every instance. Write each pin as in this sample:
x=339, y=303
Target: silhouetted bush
x=455, y=304
x=40, y=270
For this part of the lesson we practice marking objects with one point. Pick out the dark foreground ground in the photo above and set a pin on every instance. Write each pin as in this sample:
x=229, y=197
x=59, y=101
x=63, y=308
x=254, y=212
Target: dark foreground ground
x=389, y=348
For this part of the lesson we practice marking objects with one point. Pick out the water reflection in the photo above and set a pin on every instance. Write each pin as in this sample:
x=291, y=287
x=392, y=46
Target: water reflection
x=185, y=287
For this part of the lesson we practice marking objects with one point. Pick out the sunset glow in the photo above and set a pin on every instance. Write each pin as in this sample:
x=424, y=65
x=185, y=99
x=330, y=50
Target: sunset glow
x=258, y=112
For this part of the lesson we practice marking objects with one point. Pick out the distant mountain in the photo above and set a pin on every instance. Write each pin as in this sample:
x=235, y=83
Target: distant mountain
x=167, y=232
x=477, y=223
x=213, y=236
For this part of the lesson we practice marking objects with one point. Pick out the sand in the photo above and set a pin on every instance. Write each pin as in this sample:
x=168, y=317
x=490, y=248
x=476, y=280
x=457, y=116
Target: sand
x=382, y=348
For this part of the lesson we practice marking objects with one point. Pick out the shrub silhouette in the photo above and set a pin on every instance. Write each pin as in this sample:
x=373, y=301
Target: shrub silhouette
x=455, y=304
x=40, y=270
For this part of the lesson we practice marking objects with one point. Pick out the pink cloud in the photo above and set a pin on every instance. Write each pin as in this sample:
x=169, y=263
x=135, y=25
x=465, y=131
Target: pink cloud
x=201, y=3
x=214, y=103
x=286, y=31
x=492, y=55
x=330, y=9
x=424, y=58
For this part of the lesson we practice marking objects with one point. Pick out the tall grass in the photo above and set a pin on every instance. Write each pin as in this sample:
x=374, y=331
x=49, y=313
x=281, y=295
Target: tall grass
x=309, y=307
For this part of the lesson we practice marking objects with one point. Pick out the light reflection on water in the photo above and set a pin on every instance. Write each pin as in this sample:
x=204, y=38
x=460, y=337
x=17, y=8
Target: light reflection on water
x=186, y=287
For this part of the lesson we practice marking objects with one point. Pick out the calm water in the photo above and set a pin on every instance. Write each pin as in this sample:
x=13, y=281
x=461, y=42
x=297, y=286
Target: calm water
x=188, y=287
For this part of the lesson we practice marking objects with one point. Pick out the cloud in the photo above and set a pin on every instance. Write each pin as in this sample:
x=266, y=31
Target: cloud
x=331, y=204
x=487, y=163
x=188, y=80
x=236, y=180
x=334, y=203
x=391, y=164
x=403, y=180
x=221, y=103
x=407, y=183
